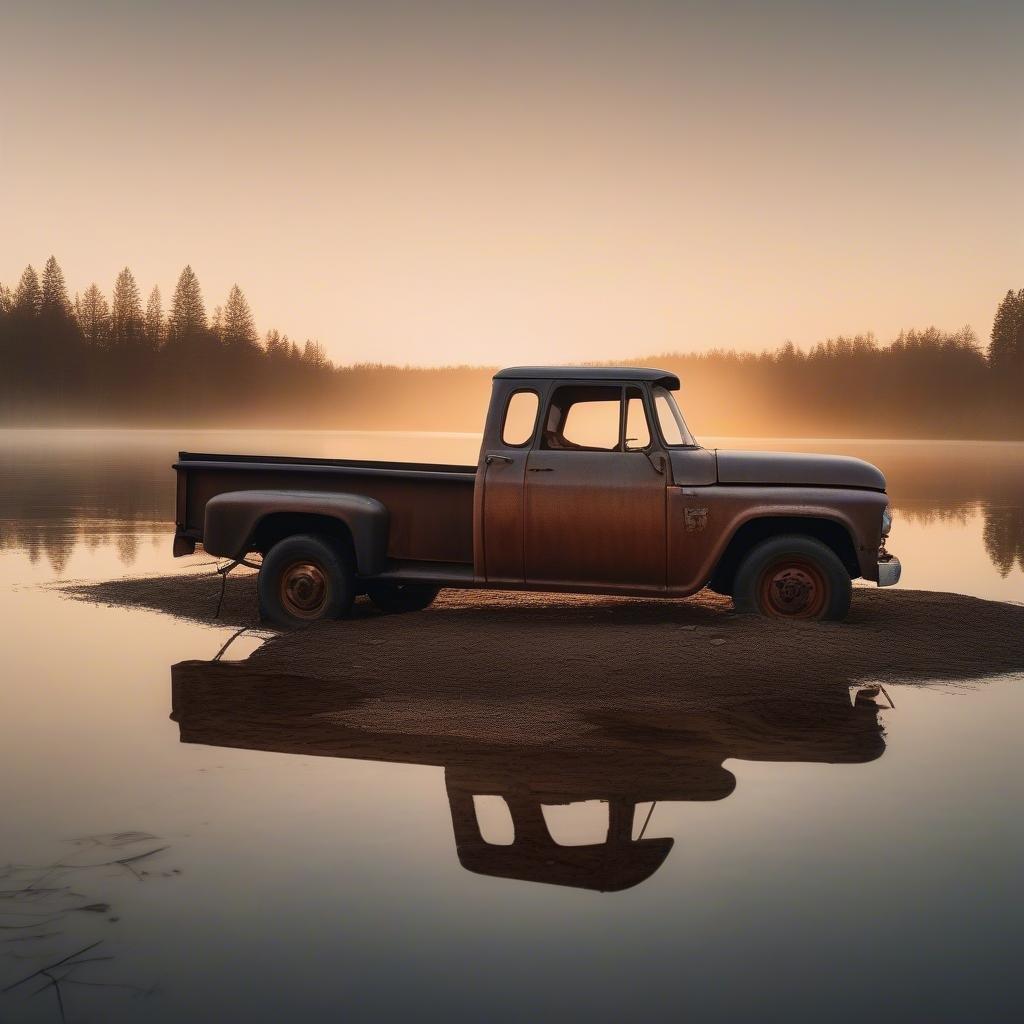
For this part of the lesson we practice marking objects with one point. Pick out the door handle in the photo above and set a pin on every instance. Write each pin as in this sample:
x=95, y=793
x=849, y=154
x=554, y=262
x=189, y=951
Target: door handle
x=496, y=458
x=540, y=469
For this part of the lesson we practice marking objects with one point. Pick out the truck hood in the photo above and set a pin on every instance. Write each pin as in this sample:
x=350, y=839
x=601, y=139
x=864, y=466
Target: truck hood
x=794, y=469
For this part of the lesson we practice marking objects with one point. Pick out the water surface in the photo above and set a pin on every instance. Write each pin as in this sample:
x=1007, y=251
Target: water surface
x=228, y=882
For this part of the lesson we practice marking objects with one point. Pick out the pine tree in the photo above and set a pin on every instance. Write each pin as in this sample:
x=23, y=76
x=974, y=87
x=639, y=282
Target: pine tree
x=58, y=337
x=188, y=315
x=313, y=354
x=239, y=328
x=1004, y=331
x=1018, y=334
x=54, y=299
x=275, y=346
x=94, y=316
x=154, y=327
x=126, y=311
x=6, y=299
x=28, y=297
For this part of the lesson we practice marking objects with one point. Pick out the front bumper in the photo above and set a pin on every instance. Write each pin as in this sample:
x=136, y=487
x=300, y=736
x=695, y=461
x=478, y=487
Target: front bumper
x=889, y=570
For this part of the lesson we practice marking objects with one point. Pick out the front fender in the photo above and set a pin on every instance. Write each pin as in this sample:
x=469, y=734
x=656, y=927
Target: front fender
x=233, y=519
x=703, y=521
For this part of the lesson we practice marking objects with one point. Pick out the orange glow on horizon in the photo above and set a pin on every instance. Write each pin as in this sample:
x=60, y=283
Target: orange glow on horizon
x=495, y=183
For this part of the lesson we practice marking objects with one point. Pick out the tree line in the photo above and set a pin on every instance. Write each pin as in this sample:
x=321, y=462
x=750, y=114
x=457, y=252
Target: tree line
x=88, y=360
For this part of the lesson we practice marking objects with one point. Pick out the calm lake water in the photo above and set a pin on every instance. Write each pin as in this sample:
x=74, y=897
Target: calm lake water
x=210, y=884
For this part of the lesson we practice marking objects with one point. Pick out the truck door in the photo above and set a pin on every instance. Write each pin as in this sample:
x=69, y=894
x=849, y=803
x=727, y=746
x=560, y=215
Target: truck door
x=504, y=494
x=596, y=491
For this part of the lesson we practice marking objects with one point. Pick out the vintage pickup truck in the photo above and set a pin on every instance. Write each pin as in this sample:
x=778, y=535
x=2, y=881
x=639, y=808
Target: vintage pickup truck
x=588, y=481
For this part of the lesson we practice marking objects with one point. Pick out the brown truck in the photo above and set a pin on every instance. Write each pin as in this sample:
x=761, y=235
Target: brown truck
x=588, y=481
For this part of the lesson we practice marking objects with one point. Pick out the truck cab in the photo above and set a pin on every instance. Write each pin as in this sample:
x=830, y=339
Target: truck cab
x=576, y=467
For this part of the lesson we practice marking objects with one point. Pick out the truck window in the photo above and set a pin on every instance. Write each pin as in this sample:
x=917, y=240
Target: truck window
x=520, y=418
x=638, y=434
x=583, y=418
x=673, y=428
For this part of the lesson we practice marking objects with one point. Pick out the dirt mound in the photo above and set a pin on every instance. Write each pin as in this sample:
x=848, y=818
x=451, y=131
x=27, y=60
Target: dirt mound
x=496, y=664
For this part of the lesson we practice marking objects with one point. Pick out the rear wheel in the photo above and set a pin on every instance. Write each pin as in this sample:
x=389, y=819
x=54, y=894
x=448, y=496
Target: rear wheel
x=402, y=597
x=304, y=579
x=793, y=577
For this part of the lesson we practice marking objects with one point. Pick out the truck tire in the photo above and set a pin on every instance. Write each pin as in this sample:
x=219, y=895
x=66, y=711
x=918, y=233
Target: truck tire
x=402, y=597
x=793, y=577
x=305, y=579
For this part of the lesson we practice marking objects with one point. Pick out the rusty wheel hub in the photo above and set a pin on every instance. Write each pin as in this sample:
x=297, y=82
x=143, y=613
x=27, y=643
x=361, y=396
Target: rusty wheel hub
x=795, y=589
x=304, y=590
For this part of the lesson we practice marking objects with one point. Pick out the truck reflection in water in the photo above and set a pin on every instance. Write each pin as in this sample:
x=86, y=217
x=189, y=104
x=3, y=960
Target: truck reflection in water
x=628, y=760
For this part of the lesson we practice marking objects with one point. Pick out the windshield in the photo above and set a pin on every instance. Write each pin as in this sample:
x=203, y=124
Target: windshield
x=670, y=420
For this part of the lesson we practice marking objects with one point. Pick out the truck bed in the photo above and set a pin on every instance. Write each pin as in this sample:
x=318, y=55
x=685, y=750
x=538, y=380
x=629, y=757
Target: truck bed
x=430, y=505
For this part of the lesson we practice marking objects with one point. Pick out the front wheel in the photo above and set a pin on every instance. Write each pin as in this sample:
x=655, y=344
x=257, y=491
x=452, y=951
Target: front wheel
x=793, y=577
x=304, y=579
x=402, y=597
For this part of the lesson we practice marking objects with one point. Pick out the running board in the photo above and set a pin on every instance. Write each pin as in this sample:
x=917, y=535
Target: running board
x=452, y=574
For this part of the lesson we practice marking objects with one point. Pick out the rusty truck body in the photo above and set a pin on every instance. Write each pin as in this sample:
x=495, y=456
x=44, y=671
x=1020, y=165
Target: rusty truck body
x=588, y=481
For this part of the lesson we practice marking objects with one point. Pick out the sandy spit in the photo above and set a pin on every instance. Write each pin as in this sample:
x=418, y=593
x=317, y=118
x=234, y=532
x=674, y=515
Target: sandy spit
x=496, y=665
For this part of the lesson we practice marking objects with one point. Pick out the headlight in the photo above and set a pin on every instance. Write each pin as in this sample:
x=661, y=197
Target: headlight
x=886, y=521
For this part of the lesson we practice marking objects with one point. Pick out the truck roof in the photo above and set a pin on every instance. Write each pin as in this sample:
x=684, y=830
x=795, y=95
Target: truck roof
x=616, y=373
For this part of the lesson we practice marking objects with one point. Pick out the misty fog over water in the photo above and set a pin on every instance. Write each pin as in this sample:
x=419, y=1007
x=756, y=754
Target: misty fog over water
x=72, y=497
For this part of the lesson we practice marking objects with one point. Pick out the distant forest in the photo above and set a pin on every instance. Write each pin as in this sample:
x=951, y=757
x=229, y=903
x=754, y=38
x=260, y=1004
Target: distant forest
x=90, y=361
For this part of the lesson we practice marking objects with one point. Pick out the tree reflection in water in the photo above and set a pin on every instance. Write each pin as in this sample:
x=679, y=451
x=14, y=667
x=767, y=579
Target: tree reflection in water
x=1004, y=538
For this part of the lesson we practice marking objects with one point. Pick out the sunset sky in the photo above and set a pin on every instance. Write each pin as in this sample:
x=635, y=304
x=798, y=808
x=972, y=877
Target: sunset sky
x=525, y=181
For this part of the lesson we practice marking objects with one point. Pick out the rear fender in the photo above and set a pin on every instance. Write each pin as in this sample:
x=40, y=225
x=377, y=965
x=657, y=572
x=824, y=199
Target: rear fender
x=235, y=520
